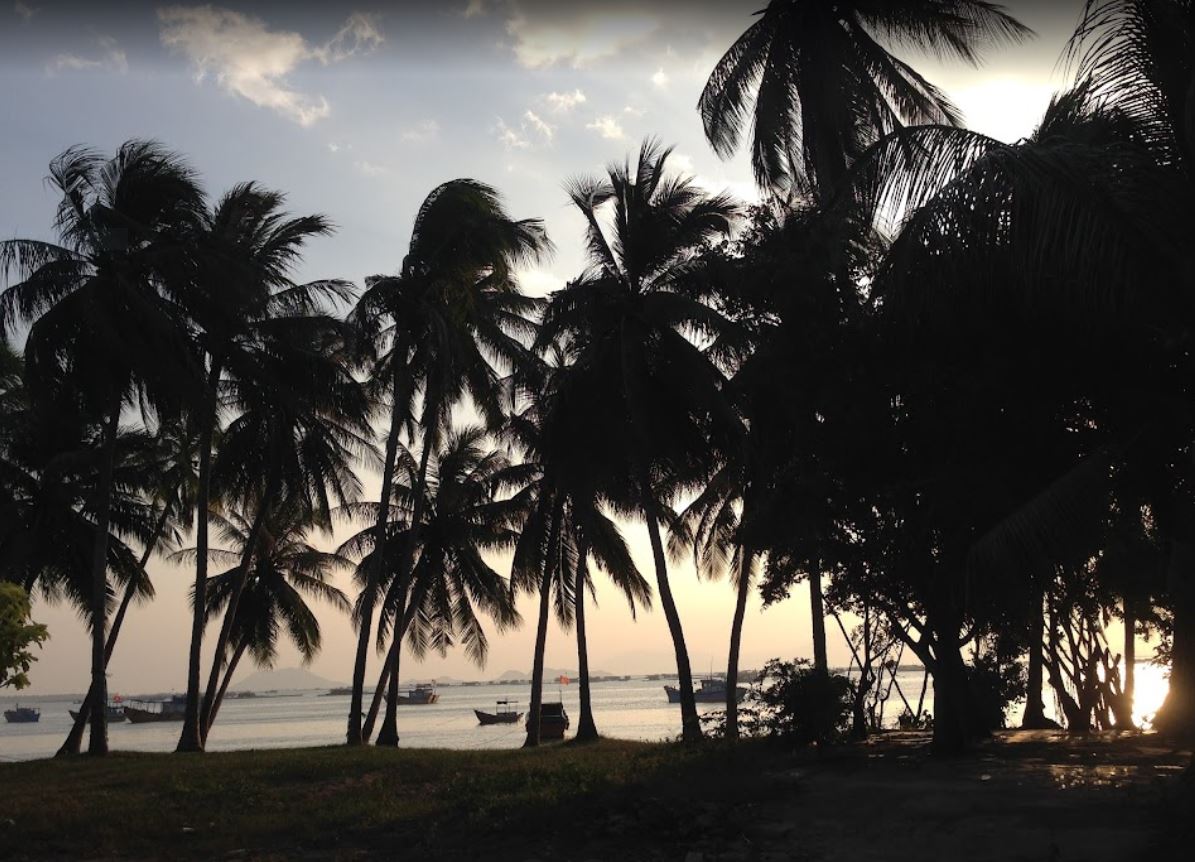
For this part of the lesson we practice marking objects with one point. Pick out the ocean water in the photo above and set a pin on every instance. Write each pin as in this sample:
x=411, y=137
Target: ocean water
x=624, y=709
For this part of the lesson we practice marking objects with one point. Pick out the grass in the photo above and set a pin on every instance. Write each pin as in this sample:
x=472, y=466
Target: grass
x=1043, y=797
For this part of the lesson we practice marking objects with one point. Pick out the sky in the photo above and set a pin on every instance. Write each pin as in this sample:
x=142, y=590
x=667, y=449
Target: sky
x=357, y=112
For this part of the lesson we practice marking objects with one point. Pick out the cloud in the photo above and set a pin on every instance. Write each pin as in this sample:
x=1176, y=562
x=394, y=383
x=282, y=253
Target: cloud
x=475, y=7
x=249, y=60
x=111, y=58
x=632, y=111
x=25, y=10
x=565, y=102
x=370, y=169
x=544, y=32
x=509, y=138
x=608, y=127
x=660, y=78
x=425, y=130
x=533, y=120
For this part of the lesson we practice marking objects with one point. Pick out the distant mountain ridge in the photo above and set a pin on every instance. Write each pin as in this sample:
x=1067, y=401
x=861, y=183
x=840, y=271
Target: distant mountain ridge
x=284, y=679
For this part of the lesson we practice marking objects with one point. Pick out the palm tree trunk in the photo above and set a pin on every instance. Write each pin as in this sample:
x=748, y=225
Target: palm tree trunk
x=817, y=612
x=74, y=739
x=541, y=630
x=690, y=723
x=234, y=600
x=388, y=732
x=355, y=735
x=191, y=738
x=392, y=660
x=736, y=637
x=1035, y=712
x=232, y=666
x=586, y=727
x=1130, y=657
x=98, y=743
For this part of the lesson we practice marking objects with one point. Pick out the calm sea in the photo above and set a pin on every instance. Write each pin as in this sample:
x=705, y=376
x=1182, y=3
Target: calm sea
x=624, y=709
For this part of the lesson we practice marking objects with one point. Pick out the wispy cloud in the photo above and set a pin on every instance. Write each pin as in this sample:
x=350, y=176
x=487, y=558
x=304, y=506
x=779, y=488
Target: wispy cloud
x=249, y=60
x=608, y=127
x=25, y=10
x=660, y=78
x=510, y=138
x=544, y=32
x=534, y=121
x=111, y=58
x=422, y=132
x=371, y=169
x=475, y=8
x=565, y=102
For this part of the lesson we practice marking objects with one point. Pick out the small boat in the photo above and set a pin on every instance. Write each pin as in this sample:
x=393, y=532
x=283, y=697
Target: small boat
x=22, y=715
x=115, y=713
x=712, y=690
x=338, y=692
x=167, y=710
x=553, y=721
x=422, y=694
x=505, y=714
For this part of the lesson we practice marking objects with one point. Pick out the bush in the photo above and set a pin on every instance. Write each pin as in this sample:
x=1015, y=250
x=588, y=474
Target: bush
x=794, y=703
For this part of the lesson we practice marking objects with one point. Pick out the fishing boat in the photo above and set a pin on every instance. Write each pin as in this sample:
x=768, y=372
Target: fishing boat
x=338, y=692
x=171, y=709
x=422, y=694
x=505, y=714
x=22, y=714
x=711, y=690
x=553, y=721
x=115, y=713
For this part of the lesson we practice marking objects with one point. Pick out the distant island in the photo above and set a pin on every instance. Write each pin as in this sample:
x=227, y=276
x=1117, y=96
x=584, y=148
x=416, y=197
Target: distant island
x=284, y=679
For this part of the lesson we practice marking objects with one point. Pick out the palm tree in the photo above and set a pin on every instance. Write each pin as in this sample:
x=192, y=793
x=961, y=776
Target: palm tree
x=442, y=324
x=97, y=309
x=302, y=426
x=1139, y=55
x=170, y=465
x=237, y=280
x=643, y=398
x=817, y=86
x=564, y=526
x=285, y=570
x=466, y=513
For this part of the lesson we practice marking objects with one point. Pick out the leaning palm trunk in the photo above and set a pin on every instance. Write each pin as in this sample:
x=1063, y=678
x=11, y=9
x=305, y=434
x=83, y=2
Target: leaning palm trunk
x=391, y=662
x=98, y=744
x=586, y=728
x=736, y=638
x=541, y=631
x=690, y=723
x=388, y=733
x=232, y=666
x=1130, y=658
x=1035, y=711
x=243, y=571
x=74, y=738
x=355, y=735
x=191, y=738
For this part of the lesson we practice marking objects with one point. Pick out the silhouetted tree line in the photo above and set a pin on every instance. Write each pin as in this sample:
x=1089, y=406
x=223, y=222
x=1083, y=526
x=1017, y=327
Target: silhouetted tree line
x=944, y=379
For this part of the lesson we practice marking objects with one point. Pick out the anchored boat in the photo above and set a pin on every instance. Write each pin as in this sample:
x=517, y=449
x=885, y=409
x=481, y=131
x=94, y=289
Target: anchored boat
x=171, y=709
x=553, y=721
x=22, y=714
x=506, y=714
x=422, y=694
x=712, y=690
x=115, y=713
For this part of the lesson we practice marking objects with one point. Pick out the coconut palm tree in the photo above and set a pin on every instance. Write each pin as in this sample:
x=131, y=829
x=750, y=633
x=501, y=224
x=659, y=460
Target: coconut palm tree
x=643, y=390
x=236, y=280
x=285, y=570
x=467, y=512
x=565, y=525
x=816, y=84
x=443, y=325
x=170, y=465
x=96, y=307
x=301, y=428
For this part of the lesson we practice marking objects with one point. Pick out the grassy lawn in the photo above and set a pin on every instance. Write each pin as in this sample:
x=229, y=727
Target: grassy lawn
x=1031, y=797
